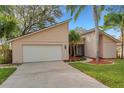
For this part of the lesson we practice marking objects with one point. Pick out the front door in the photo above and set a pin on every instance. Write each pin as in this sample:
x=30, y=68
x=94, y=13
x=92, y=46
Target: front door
x=80, y=50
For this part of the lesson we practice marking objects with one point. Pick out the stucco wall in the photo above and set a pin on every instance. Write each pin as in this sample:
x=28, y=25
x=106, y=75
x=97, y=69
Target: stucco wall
x=101, y=46
x=109, y=48
x=90, y=47
x=57, y=35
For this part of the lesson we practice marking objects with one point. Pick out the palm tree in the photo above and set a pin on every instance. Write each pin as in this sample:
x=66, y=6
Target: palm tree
x=115, y=20
x=95, y=15
x=76, y=9
x=74, y=38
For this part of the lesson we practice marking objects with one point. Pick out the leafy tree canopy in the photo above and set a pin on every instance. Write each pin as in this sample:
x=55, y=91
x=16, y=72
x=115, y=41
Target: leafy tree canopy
x=114, y=20
x=8, y=26
x=115, y=9
x=35, y=17
x=74, y=37
x=22, y=19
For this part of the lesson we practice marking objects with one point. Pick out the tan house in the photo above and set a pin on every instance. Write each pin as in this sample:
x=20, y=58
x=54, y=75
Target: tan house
x=107, y=44
x=52, y=44
x=49, y=44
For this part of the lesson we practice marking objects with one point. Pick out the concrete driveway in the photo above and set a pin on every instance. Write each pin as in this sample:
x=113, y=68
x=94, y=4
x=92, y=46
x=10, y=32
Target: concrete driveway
x=49, y=75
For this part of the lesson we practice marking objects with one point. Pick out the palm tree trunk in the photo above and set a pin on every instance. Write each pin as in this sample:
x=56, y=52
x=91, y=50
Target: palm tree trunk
x=74, y=49
x=122, y=36
x=70, y=49
x=95, y=15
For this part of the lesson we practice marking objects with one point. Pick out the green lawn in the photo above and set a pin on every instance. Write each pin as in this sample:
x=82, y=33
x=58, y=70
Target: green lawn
x=5, y=73
x=110, y=75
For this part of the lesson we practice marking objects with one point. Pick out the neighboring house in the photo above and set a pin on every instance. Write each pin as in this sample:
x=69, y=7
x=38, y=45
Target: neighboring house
x=52, y=44
x=107, y=44
x=119, y=50
x=48, y=44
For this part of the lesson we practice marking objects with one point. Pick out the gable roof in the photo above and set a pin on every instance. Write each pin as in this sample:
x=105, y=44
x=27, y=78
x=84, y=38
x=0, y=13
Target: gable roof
x=102, y=32
x=57, y=24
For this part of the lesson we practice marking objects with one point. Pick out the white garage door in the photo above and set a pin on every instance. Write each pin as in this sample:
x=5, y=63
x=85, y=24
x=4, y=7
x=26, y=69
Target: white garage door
x=41, y=53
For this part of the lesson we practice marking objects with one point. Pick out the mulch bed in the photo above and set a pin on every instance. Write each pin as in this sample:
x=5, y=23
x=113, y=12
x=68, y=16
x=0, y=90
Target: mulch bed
x=101, y=61
x=72, y=59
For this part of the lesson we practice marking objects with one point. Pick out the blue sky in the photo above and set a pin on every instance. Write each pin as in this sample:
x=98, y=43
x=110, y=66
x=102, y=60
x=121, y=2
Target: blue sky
x=85, y=20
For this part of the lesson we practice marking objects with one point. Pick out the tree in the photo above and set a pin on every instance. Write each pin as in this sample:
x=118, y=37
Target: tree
x=30, y=17
x=8, y=29
x=8, y=23
x=116, y=21
x=35, y=17
x=6, y=10
x=115, y=9
x=95, y=15
x=74, y=38
x=8, y=26
x=76, y=10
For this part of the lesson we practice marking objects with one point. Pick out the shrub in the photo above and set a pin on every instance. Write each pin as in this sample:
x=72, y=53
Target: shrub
x=74, y=59
x=82, y=58
x=1, y=59
x=5, y=55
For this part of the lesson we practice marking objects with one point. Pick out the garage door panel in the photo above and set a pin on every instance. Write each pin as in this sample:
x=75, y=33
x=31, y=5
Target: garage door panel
x=41, y=53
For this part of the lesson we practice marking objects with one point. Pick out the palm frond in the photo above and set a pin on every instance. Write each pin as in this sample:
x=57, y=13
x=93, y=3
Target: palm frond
x=80, y=9
x=100, y=9
x=114, y=20
x=71, y=8
x=74, y=37
x=75, y=10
